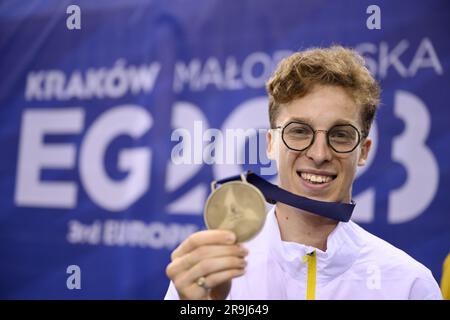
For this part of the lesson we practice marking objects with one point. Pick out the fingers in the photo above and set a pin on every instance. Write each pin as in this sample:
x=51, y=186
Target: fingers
x=208, y=267
x=211, y=254
x=203, y=238
x=194, y=291
x=202, y=253
x=218, y=278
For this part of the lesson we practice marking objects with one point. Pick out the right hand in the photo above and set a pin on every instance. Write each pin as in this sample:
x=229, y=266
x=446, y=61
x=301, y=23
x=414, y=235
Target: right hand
x=211, y=254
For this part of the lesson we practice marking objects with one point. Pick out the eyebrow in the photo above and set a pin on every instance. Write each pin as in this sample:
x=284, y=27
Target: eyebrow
x=309, y=121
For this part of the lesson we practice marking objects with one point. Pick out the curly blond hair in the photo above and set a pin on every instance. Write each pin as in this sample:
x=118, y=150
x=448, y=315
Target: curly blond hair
x=297, y=74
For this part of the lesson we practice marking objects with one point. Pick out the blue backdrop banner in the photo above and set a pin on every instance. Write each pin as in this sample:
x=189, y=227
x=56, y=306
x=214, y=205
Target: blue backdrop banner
x=115, y=116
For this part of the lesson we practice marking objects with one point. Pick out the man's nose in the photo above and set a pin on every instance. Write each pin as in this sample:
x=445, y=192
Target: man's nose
x=319, y=151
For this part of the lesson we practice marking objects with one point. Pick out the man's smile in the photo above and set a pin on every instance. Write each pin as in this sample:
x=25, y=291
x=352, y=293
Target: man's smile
x=316, y=179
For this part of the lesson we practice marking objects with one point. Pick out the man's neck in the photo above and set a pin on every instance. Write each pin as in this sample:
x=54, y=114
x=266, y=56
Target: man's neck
x=303, y=227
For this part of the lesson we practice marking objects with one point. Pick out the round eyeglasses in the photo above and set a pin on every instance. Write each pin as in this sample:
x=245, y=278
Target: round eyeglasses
x=299, y=136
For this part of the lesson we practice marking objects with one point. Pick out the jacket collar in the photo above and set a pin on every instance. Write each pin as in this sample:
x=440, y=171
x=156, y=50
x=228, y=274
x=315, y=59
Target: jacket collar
x=343, y=247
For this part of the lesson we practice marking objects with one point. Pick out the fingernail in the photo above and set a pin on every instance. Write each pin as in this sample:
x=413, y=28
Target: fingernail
x=231, y=238
x=244, y=250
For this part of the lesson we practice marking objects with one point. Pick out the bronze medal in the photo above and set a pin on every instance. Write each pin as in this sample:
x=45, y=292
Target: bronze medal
x=237, y=206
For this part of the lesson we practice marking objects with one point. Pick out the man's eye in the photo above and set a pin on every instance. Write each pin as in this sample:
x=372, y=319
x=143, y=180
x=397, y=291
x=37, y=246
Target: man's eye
x=342, y=135
x=300, y=131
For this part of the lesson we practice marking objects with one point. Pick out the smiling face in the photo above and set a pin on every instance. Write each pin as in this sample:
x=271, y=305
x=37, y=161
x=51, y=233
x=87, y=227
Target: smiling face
x=319, y=172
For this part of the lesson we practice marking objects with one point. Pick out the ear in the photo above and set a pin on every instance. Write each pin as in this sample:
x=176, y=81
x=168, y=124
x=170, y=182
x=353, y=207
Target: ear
x=365, y=149
x=271, y=145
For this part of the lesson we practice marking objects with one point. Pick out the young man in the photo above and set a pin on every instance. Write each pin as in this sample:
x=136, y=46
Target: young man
x=322, y=104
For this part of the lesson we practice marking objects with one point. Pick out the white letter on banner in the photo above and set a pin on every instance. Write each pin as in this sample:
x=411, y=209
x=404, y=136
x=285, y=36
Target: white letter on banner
x=34, y=155
x=410, y=149
x=425, y=57
x=104, y=191
x=182, y=168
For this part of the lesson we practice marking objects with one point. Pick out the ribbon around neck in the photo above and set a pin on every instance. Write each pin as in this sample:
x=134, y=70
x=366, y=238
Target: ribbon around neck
x=273, y=194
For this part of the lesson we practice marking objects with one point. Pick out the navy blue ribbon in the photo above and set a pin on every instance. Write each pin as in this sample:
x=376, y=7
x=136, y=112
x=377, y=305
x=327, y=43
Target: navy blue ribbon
x=273, y=194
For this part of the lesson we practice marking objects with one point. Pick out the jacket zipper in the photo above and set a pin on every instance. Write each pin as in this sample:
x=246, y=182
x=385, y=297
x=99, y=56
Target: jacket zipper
x=311, y=260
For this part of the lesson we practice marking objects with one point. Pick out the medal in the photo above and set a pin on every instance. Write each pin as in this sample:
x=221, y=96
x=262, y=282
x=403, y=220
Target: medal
x=237, y=206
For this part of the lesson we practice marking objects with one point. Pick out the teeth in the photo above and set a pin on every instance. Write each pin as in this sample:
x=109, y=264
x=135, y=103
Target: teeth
x=316, y=178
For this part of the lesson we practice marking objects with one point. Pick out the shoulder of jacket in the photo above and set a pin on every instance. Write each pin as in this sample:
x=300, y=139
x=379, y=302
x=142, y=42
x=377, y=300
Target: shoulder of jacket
x=380, y=252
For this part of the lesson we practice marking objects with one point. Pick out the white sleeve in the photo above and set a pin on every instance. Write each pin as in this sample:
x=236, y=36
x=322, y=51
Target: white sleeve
x=172, y=293
x=425, y=288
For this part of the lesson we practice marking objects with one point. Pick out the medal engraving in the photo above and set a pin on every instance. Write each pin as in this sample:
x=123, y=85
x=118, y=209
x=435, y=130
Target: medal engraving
x=237, y=206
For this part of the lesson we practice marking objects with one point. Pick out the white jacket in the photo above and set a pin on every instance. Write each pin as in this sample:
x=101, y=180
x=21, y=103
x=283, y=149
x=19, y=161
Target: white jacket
x=356, y=265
